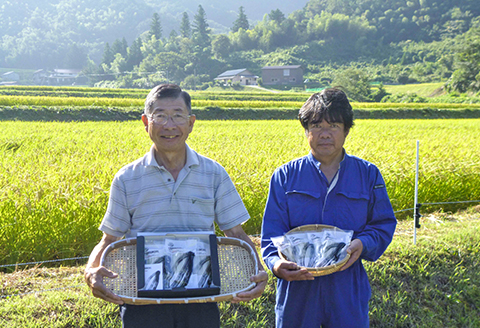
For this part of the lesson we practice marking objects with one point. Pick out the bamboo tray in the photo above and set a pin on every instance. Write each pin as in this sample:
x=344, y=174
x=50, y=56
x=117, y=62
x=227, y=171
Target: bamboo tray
x=236, y=260
x=321, y=271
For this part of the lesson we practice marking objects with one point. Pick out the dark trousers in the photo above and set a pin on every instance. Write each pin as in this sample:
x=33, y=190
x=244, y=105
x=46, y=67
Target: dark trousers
x=195, y=315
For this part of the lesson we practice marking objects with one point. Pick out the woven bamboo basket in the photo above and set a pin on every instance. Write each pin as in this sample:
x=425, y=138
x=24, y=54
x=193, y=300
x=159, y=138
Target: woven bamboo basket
x=322, y=271
x=236, y=261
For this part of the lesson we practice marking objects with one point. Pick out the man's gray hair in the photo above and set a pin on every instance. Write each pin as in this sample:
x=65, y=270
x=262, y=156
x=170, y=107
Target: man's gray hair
x=163, y=91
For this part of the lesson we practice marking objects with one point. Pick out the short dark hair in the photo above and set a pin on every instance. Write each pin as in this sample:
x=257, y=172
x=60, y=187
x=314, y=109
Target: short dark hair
x=331, y=105
x=166, y=91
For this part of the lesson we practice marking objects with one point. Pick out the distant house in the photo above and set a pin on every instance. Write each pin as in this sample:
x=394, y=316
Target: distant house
x=282, y=75
x=238, y=75
x=40, y=76
x=10, y=76
x=66, y=77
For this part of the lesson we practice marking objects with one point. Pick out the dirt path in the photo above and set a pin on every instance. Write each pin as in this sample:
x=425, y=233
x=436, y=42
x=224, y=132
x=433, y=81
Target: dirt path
x=258, y=87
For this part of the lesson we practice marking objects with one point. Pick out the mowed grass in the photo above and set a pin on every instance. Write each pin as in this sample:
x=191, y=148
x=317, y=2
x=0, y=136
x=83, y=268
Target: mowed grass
x=421, y=89
x=55, y=177
x=434, y=283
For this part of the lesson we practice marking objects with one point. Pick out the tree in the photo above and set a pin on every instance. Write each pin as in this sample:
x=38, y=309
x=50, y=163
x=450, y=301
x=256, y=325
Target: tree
x=241, y=40
x=93, y=72
x=241, y=21
x=221, y=46
x=119, y=47
x=172, y=43
x=108, y=56
x=75, y=57
x=276, y=16
x=185, y=30
x=124, y=48
x=151, y=46
x=466, y=76
x=170, y=64
x=355, y=83
x=155, y=27
x=201, y=32
x=173, y=35
x=119, y=64
x=134, y=56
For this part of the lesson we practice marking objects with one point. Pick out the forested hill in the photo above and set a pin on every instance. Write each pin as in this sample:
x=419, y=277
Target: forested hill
x=125, y=43
x=397, y=20
x=39, y=33
x=29, y=29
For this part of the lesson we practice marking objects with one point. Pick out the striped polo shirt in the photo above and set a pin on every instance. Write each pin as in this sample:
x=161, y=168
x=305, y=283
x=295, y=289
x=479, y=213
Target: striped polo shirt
x=144, y=197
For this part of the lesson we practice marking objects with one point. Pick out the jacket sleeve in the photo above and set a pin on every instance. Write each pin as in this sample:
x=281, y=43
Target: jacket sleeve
x=275, y=219
x=381, y=221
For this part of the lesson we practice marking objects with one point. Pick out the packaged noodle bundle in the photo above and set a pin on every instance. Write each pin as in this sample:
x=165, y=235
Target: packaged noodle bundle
x=176, y=263
x=322, y=246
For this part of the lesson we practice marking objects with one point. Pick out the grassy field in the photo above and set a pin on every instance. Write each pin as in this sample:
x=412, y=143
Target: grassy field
x=55, y=179
x=58, y=175
x=434, y=283
x=423, y=89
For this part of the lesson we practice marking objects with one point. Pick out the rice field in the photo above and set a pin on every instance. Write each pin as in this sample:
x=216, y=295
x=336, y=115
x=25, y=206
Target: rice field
x=55, y=177
x=266, y=101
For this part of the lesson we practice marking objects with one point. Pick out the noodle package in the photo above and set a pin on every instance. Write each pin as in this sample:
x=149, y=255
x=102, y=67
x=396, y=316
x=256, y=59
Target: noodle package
x=314, y=249
x=176, y=265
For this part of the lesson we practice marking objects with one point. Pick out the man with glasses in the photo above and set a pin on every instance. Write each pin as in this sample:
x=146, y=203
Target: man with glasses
x=172, y=188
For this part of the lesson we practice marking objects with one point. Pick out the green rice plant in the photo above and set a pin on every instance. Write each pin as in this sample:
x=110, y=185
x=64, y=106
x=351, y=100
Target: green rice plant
x=69, y=101
x=53, y=89
x=279, y=103
x=357, y=105
x=127, y=102
x=55, y=177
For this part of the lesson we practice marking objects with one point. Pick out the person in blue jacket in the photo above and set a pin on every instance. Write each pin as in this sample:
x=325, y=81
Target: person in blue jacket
x=327, y=186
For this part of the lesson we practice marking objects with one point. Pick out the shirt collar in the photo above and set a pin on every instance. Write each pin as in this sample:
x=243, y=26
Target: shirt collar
x=192, y=158
x=317, y=164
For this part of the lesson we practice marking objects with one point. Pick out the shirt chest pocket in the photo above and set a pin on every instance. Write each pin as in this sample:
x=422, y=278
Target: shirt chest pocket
x=199, y=207
x=304, y=207
x=352, y=209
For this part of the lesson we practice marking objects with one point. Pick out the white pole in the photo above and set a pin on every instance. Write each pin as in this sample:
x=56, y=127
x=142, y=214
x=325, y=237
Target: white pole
x=416, y=200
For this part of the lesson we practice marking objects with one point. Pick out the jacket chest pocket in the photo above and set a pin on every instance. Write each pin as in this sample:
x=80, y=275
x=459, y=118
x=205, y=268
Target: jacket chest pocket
x=304, y=207
x=352, y=209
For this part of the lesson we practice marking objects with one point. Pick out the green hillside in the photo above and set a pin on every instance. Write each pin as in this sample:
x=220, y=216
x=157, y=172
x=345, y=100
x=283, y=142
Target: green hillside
x=392, y=41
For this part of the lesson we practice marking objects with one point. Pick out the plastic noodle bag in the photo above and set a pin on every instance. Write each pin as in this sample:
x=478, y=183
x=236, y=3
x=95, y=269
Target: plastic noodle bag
x=157, y=266
x=334, y=247
x=154, y=252
x=317, y=240
x=202, y=269
x=284, y=246
x=182, y=254
x=302, y=249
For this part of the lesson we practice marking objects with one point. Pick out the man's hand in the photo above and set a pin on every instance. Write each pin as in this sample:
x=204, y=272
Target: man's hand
x=355, y=250
x=94, y=279
x=261, y=279
x=94, y=273
x=290, y=271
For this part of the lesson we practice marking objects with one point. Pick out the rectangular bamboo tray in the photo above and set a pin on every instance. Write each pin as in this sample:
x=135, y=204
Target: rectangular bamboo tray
x=236, y=259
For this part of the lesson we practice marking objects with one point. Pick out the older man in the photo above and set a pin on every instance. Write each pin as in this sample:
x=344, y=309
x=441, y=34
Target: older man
x=327, y=186
x=172, y=188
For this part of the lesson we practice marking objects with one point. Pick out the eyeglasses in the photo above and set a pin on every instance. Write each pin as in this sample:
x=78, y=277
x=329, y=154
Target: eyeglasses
x=161, y=118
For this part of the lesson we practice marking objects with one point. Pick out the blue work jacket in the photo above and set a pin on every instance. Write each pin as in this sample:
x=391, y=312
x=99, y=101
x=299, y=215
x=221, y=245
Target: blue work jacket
x=356, y=200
